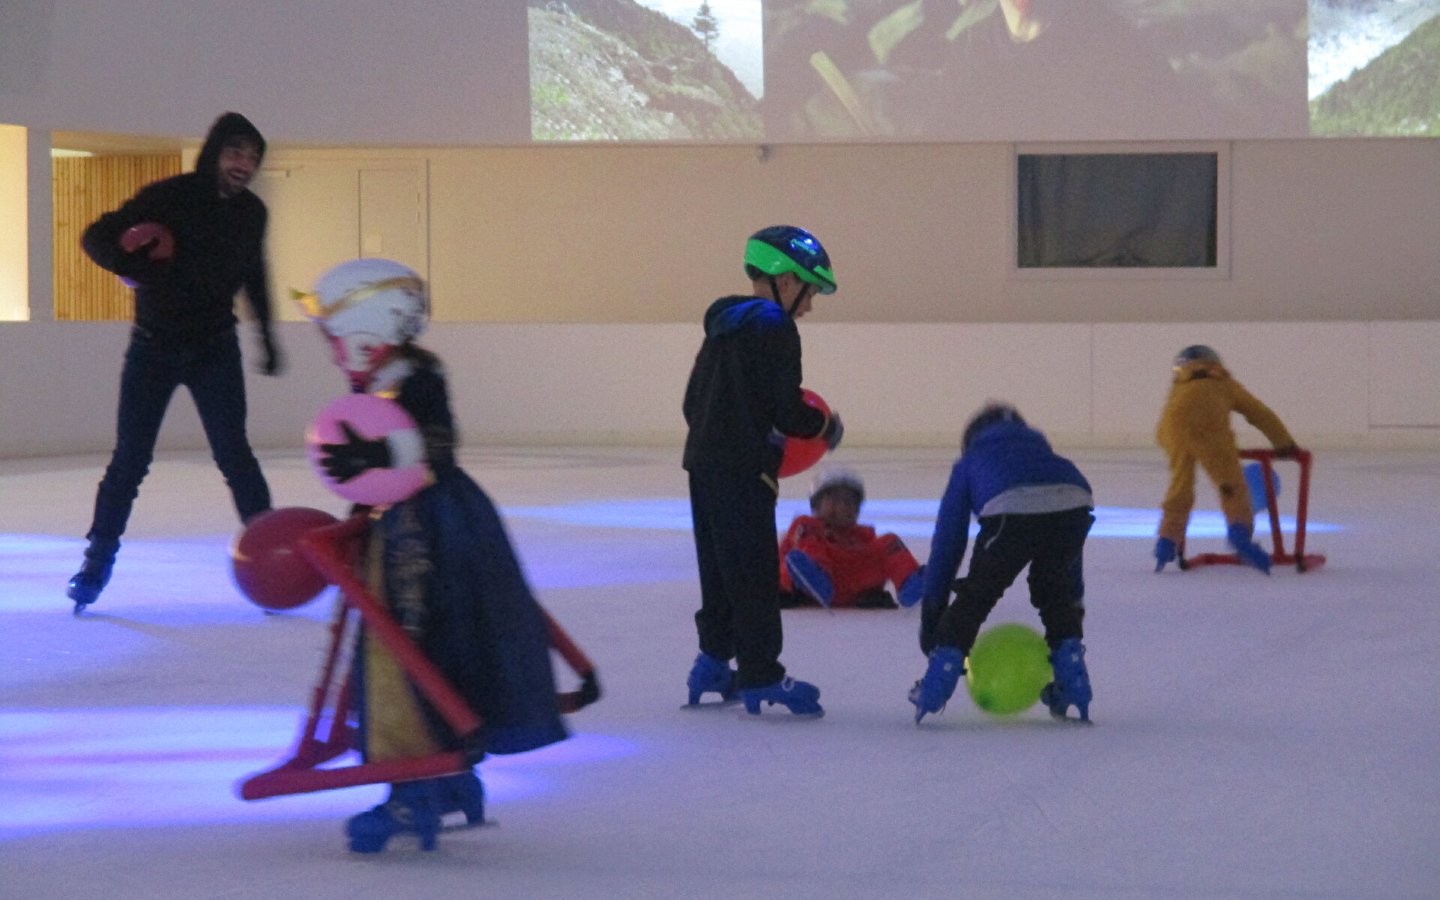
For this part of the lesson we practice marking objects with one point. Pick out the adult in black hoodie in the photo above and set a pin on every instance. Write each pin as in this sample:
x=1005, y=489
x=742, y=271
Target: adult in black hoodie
x=184, y=330
x=742, y=399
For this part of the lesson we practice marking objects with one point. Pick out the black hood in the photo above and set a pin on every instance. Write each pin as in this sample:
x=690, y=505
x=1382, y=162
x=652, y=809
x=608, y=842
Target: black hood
x=229, y=126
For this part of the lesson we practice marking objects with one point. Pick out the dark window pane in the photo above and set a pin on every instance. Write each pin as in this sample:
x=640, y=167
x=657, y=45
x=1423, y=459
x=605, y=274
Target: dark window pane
x=1117, y=210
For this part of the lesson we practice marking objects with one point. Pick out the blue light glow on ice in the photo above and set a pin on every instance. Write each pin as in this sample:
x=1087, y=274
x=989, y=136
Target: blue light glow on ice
x=79, y=768
x=907, y=518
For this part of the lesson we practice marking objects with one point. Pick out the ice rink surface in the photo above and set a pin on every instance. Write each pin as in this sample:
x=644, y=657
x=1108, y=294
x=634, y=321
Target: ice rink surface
x=1255, y=737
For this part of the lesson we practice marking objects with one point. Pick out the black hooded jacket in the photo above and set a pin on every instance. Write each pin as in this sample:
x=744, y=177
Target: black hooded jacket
x=744, y=392
x=219, y=247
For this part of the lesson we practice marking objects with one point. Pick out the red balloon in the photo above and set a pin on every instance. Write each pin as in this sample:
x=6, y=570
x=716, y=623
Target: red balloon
x=802, y=453
x=268, y=567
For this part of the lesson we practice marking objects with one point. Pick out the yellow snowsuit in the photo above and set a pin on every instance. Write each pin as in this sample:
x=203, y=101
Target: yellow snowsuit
x=1195, y=427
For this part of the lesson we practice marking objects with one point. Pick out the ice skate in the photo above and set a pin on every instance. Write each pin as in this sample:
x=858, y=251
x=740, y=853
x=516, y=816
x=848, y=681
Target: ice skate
x=85, y=587
x=931, y=693
x=710, y=676
x=412, y=808
x=462, y=793
x=1071, y=686
x=809, y=577
x=1165, y=553
x=913, y=590
x=800, y=697
x=1248, y=552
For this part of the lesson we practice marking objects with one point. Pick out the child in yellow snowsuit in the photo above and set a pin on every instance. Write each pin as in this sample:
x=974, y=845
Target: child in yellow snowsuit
x=1195, y=428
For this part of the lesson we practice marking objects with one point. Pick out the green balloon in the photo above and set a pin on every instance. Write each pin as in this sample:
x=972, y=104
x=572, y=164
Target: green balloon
x=1006, y=669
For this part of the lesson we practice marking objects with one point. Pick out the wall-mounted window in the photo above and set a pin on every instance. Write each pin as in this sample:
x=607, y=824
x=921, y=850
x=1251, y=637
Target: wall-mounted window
x=1078, y=211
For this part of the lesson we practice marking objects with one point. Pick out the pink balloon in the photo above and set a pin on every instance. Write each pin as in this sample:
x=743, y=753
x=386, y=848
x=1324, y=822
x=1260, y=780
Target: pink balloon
x=372, y=418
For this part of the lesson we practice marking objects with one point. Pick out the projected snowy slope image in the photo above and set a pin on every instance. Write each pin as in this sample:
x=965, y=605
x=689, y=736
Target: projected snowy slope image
x=622, y=70
x=1375, y=67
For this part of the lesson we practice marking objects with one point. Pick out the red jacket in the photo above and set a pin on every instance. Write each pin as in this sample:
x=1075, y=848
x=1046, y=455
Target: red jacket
x=855, y=558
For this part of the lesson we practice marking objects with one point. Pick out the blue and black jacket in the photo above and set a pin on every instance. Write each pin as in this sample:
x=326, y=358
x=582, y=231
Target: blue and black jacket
x=1009, y=468
x=744, y=391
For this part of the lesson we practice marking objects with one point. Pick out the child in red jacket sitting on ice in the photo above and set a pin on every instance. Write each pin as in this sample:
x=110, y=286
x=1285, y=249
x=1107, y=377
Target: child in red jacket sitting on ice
x=830, y=559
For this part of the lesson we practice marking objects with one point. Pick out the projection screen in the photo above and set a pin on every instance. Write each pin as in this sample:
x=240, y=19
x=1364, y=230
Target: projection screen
x=982, y=70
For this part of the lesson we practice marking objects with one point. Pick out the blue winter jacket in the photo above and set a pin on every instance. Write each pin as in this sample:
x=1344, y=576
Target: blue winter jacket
x=1008, y=468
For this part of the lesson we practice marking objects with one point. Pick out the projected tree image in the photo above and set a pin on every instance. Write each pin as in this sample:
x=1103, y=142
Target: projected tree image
x=1034, y=69
x=617, y=70
x=1375, y=68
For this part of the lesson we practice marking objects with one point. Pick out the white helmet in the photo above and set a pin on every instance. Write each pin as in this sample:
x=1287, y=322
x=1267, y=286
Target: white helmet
x=367, y=308
x=375, y=296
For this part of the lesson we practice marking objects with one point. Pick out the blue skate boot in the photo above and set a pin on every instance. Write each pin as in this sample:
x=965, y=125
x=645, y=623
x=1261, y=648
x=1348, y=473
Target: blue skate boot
x=710, y=675
x=1071, y=686
x=1249, y=552
x=809, y=577
x=800, y=697
x=931, y=693
x=461, y=793
x=1165, y=553
x=913, y=590
x=412, y=808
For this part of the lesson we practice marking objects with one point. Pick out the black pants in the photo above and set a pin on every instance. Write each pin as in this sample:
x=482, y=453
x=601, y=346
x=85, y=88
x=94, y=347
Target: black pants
x=735, y=546
x=1052, y=545
x=212, y=372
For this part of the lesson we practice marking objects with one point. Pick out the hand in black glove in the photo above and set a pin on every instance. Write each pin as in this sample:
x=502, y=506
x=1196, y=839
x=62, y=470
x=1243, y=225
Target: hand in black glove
x=834, y=431
x=1288, y=451
x=273, y=363
x=345, y=461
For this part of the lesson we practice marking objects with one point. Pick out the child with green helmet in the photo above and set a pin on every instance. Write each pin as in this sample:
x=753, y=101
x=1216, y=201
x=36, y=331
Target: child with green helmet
x=742, y=400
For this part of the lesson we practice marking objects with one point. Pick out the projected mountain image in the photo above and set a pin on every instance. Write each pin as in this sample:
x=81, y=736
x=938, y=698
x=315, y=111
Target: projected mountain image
x=1375, y=68
x=1035, y=69
x=618, y=70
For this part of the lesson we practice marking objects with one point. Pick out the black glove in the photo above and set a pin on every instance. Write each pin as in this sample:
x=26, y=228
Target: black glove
x=273, y=363
x=589, y=689
x=834, y=431
x=1288, y=451
x=345, y=461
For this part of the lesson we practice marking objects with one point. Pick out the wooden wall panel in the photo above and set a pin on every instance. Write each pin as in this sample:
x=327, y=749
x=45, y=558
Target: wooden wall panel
x=84, y=188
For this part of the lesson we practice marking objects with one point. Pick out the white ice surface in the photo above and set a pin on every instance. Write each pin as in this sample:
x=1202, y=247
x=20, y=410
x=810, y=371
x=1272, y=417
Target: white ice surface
x=1255, y=737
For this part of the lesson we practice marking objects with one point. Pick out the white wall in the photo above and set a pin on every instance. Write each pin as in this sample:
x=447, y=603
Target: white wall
x=1335, y=384
x=327, y=71
x=14, y=224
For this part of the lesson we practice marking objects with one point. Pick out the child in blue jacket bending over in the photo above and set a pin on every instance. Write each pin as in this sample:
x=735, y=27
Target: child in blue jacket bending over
x=1034, y=508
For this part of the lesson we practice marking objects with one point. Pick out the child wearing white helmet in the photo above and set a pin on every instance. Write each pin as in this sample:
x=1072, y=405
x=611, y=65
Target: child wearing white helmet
x=448, y=570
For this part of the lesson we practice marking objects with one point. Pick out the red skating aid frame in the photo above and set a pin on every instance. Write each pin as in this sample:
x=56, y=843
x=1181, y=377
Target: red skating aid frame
x=1299, y=559
x=329, y=549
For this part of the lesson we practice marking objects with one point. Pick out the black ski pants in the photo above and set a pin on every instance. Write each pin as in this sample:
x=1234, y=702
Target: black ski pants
x=735, y=546
x=1052, y=545
x=153, y=370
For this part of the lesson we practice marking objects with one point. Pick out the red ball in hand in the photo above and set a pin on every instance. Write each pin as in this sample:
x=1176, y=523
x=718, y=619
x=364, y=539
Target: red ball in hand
x=802, y=453
x=159, y=239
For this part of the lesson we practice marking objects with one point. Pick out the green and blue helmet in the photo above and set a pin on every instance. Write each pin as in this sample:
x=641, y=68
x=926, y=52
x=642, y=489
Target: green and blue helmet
x=785, y=248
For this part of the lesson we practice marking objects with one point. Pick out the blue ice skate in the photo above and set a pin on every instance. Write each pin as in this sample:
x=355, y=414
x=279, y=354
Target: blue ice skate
x=1248, y=552
x=913, y=589
x=800, y=697
x=1071, y=686
x=461, y=793
x=809, y=577
x=412, y=808
x=1165, y=552
x=931, y=693
x=710, y=676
